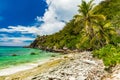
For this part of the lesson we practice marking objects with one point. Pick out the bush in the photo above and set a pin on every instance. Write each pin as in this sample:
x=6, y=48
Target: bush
x=109, y=54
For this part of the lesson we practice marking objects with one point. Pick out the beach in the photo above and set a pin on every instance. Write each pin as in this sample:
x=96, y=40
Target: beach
x=60, y=40
x=73, y=66
x=27, y=66
x=76, y=65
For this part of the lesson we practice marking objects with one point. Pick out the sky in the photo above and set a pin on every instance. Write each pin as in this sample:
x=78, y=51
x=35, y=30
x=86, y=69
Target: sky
x=22, y=20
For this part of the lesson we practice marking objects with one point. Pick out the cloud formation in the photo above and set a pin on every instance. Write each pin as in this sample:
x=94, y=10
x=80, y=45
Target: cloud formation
x=22, y=29
x=58, y=13
x=15, y=41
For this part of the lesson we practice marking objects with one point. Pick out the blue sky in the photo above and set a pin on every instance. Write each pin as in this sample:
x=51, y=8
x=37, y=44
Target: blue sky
x=19, y=12
x=23, y=12
x=22, y=20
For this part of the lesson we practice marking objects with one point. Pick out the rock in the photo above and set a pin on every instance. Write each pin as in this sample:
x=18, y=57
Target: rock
x=71, y=78
x=82, y=67
x=53, y=55
x=115, y=75
x=90, y=62
x=32, y=53
x=65, y=48
x=66, y=56
x=14, y=55
x=81, y=78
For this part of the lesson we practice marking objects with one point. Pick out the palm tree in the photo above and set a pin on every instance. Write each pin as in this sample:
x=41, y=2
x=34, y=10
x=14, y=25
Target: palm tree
x=87, y=17
x=105, y=32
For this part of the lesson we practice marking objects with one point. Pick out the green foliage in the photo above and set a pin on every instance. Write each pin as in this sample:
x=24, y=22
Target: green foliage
x=109, y=54
x=96, y=31
x=68, y=37
x=116, y=39
x=86, y=30
x=111, y=9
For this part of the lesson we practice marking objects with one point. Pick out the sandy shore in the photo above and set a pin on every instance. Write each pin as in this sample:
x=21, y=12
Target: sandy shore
x=27, y=66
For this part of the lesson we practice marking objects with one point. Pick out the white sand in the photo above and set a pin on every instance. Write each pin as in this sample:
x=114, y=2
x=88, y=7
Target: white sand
x=15, y=69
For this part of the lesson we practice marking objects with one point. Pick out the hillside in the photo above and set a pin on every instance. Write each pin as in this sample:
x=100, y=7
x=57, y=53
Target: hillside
x=111, y=9
x=71, y=35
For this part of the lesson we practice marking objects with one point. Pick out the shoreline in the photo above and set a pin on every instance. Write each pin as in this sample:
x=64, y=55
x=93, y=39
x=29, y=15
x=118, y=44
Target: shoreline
x=36, y=68
x=79, y=66
x=12, y=69
x=22, y=67
x=82, y=61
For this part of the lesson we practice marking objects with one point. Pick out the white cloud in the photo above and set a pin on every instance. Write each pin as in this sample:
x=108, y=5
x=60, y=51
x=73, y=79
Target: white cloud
x=64, y=9
x=6, y=38
x=15, y=41
x=57, y=12
x=22, y=29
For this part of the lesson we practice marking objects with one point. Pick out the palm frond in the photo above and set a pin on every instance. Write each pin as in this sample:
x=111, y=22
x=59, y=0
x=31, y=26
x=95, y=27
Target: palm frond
x=90, y=5
x=98, y=17
x=83, y=39
x=78, y=18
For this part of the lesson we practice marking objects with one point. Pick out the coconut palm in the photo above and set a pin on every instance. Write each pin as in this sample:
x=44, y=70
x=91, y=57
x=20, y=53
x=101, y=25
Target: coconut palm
x=87, y=17
x=105, y=32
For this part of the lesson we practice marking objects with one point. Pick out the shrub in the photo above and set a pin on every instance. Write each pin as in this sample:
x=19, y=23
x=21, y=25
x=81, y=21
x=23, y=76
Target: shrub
x=109, y=54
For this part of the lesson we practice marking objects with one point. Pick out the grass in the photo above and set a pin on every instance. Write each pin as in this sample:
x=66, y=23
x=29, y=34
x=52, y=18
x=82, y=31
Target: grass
x=110, y=55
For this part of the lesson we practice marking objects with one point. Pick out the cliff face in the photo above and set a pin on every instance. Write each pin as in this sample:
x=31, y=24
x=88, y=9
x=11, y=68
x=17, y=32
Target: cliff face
x=69, y=37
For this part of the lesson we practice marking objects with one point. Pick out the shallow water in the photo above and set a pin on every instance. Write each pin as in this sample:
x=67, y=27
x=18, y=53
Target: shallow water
x=23, y=56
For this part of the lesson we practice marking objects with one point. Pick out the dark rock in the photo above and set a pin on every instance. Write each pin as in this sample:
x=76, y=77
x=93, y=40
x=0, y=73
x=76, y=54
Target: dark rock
x=33, y=53
x=14, y=55
x=53, y=55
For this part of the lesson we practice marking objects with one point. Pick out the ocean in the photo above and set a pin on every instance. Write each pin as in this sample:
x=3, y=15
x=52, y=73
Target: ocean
x=12, y=56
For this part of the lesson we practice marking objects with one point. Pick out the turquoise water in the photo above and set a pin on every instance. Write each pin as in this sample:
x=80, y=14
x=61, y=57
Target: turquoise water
x=23, y=56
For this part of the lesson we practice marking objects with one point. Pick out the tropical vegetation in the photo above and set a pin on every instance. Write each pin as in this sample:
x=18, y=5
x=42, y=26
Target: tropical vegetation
x=96, y=32
x=110, y=55
x=87, y=30
x=93, y=28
